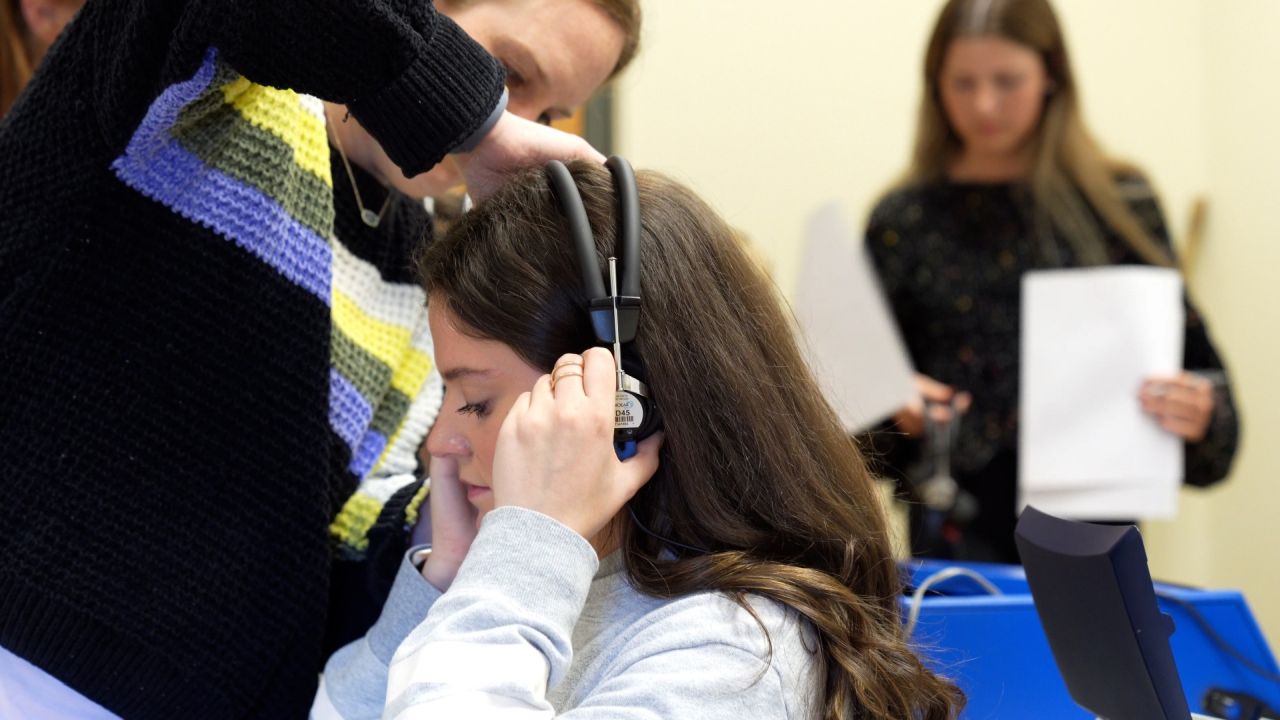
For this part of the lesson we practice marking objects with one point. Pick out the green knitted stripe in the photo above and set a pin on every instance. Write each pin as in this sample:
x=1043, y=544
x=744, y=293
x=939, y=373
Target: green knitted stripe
x=219, y=135
x=360, y=367
x=225, y=141
x=390, y=414
x=372, y=378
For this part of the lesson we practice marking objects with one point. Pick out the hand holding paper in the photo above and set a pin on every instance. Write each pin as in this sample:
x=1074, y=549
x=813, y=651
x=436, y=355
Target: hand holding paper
x=1090, y=339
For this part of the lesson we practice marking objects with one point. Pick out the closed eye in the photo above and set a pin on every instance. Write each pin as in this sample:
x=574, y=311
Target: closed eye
x=479, y=409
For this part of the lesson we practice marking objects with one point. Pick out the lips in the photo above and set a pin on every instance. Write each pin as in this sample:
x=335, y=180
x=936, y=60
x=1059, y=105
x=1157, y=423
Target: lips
x=475, y=492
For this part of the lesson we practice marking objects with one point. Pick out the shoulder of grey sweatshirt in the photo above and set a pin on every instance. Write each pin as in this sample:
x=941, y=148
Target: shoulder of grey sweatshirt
x=534, y=626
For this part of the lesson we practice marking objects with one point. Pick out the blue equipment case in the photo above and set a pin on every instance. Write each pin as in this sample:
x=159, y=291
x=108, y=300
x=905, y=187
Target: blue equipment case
x=994, y=647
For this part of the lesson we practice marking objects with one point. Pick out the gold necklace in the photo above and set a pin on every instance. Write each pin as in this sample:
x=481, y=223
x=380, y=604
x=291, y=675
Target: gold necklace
x=369, y=217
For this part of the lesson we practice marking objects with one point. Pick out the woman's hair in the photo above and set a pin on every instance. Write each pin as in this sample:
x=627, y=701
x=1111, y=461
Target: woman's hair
x=627, y=14
x=755, y=467
x=15, y=60
x=624, y=12
x=1070, y=174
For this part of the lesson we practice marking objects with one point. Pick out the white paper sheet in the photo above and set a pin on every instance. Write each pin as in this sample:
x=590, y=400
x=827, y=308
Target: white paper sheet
x=850, y=337
x=1146, y=499
x=1089, y=339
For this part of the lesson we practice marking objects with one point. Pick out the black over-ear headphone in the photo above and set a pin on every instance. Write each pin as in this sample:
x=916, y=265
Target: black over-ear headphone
x=614, y=314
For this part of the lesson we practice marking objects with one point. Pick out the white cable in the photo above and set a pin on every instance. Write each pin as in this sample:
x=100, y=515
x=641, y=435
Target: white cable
x=946, y=573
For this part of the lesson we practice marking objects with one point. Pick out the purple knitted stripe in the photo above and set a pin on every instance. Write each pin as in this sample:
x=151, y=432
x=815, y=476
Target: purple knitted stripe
x=370, y=450
x=349, y=412
x=159, y=167
x=163, y=113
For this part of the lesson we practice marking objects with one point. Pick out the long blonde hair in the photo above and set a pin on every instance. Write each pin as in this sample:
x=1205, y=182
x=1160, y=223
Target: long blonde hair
x=1071, y=178
x=15, y=59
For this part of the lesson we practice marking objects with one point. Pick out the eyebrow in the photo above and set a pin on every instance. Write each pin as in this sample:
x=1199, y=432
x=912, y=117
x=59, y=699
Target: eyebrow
x=527, y=61
x=455, y=374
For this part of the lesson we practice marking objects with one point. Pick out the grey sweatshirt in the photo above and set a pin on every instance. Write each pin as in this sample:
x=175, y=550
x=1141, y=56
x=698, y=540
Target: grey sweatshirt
x=534, y=626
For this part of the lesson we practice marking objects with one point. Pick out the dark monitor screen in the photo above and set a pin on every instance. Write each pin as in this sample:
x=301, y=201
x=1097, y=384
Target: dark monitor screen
x=1093, y=592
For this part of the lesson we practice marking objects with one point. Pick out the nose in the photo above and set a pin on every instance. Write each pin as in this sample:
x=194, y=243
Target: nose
x=986, y=99
x=446, y=441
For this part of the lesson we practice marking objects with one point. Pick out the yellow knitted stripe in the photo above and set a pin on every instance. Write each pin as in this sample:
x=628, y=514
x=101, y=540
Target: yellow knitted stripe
x=385, y=341
x=281, y=113
x=415, y=504
x=358, y=514
x=412, y=373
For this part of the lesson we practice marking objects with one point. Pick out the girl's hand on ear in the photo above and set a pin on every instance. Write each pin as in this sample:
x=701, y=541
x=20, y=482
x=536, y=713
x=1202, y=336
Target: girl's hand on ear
x=453, y=523
x=555, y=449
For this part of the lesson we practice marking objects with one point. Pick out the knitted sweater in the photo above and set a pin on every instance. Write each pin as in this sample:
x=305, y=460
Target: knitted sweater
x=525, y=631
x=950, y=257
x=177, y=437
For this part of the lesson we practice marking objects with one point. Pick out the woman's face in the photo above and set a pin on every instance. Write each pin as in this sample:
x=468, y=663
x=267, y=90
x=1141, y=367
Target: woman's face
x=482, y=379
x=992, y=92
x=45, y=20
x=556, y=54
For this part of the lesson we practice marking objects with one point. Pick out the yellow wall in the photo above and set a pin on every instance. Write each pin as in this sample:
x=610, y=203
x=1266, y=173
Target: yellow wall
x=770, y=109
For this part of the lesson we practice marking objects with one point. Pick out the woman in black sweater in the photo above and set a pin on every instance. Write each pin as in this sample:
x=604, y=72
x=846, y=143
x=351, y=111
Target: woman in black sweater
x=176, y=440
x=1006, y=179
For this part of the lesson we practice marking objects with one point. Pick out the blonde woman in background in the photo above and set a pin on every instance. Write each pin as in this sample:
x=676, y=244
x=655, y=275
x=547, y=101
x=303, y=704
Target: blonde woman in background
x=1006, y=178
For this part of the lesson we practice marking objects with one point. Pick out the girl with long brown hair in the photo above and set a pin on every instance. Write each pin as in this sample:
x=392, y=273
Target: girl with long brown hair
x=750, y=576
x=1006, y=178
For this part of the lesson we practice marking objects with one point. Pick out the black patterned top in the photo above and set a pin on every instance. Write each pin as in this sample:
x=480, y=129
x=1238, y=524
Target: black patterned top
x=951, y=257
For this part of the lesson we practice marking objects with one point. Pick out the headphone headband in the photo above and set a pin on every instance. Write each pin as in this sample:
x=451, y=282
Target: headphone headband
x=600, y=301
x=615, y=314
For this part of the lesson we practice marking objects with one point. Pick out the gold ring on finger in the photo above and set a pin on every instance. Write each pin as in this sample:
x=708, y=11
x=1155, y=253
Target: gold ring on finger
x=564, y=372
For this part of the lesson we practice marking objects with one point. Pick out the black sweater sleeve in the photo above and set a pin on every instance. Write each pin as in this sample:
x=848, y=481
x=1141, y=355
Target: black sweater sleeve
x=411, y=76
x=1208, y=461
x=407, y=71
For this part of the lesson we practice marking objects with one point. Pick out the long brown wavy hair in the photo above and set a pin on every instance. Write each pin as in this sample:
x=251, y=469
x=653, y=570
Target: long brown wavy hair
x=1070, y=173
x=755, y=468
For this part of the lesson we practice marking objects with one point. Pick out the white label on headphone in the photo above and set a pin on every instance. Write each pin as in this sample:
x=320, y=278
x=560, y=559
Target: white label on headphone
x=628, y=413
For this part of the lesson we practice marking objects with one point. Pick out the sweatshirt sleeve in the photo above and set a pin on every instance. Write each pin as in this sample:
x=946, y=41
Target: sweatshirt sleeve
x=493, y=644
x=354, y=683
x=501, y=636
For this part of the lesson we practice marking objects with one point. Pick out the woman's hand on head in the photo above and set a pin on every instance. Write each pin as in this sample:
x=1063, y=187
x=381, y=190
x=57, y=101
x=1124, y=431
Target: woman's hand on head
x=1182, y=404
x=940, y=399
x=453, y=523
x=514, y=144
x=555, y=450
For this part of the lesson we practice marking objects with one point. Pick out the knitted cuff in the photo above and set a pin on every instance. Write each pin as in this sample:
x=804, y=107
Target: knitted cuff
x=470, y=143
x=444, y=98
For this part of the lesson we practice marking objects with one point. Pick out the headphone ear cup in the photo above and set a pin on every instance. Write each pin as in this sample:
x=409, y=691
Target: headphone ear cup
x=651, y=420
